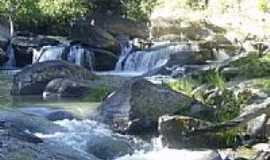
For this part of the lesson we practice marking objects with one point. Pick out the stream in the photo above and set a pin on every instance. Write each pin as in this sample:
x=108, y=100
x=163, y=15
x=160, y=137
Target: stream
x=80, y=132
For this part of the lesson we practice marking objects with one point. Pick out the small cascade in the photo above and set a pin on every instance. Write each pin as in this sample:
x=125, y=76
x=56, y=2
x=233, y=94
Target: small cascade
x=126, y=49
x=74, y=54
x=48, y=53
x=149, y=59
x=11, y=63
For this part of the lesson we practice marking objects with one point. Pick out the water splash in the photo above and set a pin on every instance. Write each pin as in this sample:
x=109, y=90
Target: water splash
x=78, y=133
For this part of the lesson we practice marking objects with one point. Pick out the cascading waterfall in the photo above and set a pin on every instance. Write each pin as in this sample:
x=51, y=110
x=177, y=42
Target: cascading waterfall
x=75, y=54
x=47, y=53
x=149, y=59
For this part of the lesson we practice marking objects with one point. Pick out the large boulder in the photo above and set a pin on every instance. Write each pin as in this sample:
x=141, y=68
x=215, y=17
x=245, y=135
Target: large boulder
x=27, y=122
x=136, y=107
x=93, y=36
x=68, y=88
x=118, y=25
x=33, y=79
x=13, y=148
x=176, y=132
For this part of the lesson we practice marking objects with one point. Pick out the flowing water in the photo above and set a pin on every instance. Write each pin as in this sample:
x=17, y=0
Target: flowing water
x=152, y=58
x=72, y=53
x=79, y=132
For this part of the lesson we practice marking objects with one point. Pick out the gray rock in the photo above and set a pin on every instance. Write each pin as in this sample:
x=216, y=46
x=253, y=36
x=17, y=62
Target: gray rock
x=136, y=107
x=59, y=88
x=175, y=132
x=64, y=88
x=27, y=122
x=118, y=25
x=256, y=127
x=93, y=36
x=3, y=57
x=104, y=60
x=50, y=114
x=107, y=148
x=33, y=79
x=12, y=148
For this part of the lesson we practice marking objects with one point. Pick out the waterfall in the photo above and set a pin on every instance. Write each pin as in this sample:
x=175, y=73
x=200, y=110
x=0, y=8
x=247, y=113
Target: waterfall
x=11, y=63
x=74, y=54
x=149, y=59
x=47, y=53
x=126, y=49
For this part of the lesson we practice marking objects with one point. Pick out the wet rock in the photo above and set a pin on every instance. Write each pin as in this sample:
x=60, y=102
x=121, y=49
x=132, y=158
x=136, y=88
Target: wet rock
x=16, y=149
x=26, y=122
x=33, y=79
x=136, y=107
x=3, y=57
x=104, y=60
x=175, y=132
x=67, y=88
x=50, y=114
x=23, y=47
x=107, y=148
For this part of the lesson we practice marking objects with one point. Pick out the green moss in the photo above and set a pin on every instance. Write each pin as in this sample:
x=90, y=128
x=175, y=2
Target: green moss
x=98, y=94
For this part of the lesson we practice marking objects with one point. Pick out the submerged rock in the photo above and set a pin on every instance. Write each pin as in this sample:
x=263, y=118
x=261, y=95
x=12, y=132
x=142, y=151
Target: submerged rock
x=33, y=79
x=12, y=148
x=108, y=148
x=136, y=107
x=50, y=114
x=27, y=122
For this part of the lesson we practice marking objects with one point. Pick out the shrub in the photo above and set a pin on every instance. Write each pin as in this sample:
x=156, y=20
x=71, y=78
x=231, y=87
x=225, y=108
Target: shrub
x=263, y=5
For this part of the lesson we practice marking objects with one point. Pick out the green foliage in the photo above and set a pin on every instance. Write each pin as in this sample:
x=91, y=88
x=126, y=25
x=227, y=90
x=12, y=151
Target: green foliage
x=63, y=10
x=228, y=103
x=216, y=79
x=253, y=66
x=184, y=85
x=264, y=5
x=98, y=94
x=138, y=9
x=228, y=138
x=42, y=13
